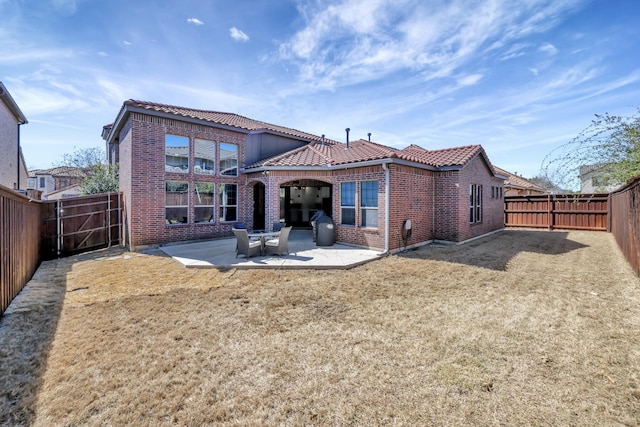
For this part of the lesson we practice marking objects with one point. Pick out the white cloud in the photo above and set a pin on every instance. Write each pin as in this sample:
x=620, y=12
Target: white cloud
x=548, y=48
x=352, y=41
x=469, y=80
x=36, y=101
x=34, y=55
x=126, y=43
x=101, y=53
x=195, y=21
x=238, y=35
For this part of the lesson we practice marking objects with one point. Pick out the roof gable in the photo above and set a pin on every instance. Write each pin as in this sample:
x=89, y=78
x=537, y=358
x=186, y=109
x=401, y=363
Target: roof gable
x=330, y=153
x=457, y=156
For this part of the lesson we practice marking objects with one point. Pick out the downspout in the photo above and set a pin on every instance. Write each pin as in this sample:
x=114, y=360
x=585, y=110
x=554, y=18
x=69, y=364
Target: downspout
x=18, y=158
x=385, y=167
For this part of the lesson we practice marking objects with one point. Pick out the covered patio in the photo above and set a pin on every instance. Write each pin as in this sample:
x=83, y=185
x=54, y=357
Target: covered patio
x=303, y=254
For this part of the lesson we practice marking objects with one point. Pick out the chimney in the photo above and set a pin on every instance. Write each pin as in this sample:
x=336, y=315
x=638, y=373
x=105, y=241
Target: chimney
x=347, y=130
x=369, y=135
x=323, y=139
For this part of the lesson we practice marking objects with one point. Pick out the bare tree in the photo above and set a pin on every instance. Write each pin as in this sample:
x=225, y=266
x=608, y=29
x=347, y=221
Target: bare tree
x=610, y=146
x=84, y=158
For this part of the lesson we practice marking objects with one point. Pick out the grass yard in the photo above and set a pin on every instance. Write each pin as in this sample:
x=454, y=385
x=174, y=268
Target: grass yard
x=519, y=328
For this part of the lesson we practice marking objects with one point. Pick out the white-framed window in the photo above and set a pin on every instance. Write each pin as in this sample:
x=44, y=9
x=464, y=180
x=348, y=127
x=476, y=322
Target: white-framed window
x=204, y=158
x=369, y=204
x=204, y=196
x=176, y=150
x=475, y=203
x=176, y=202
x=228, y=159
x=348, y=203
x=228, y=202
x=42, y=182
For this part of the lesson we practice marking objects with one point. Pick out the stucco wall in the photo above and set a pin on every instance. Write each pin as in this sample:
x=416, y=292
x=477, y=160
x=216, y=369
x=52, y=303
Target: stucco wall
x=9, y=149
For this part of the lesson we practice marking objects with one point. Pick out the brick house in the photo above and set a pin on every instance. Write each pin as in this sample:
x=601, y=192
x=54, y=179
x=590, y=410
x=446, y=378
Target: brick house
x=192, y=174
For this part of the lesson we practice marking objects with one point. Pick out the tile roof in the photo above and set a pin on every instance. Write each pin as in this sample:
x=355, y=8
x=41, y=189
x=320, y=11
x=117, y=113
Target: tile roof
x=336, y=153
x=330, y=153
x=221, y=118
x=516, y=181
x=319, y=151
x=457, y=156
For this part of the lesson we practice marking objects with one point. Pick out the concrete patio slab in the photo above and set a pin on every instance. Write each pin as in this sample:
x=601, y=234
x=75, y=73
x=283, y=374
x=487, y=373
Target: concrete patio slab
x=303, y=254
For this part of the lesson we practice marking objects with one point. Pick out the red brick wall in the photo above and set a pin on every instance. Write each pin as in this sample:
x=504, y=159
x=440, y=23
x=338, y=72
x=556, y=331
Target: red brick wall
x=477, y=172
x=411, y=198
x=143, y=176
x=357, y=235
x=437, y=203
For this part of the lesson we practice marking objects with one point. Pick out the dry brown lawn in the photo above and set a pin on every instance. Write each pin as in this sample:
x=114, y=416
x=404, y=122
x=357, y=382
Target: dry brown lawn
x=519, y=328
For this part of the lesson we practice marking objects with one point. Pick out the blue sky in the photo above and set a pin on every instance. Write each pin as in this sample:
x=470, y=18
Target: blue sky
x=518, y=77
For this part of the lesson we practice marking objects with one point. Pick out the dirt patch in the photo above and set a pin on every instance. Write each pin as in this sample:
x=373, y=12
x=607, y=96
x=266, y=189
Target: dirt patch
x=520, y=328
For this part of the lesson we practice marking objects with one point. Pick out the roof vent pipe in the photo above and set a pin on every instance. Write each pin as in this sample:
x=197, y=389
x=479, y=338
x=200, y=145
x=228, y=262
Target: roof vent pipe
x=347, y=130
x=323, y=139
x=369, y=135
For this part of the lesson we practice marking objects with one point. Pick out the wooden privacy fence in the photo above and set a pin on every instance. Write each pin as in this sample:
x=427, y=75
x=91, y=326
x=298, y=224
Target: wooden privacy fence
x=32, y=231
x=78, y=224
x=20, y=240
x=558, y=211
x=625, y=221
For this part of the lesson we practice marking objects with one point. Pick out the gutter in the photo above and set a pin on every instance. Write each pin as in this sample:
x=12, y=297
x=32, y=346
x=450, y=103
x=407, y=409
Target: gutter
x=19, y=160
x=377, y=162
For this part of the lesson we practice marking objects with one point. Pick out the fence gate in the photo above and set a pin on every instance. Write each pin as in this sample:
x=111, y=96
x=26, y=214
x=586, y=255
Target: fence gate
x=77, y=224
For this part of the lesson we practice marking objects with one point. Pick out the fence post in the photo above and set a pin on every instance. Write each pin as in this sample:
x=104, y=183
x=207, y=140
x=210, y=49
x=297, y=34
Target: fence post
x=59, y=227
x=549, y=212
x=109, y=219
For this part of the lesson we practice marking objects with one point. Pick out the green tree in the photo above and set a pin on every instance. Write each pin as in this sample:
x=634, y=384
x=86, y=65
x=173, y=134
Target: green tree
x=610, y=145
x=101, y=179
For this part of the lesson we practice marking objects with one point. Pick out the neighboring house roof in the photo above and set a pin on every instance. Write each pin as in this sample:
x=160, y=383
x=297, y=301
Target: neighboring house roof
x=221, y=119
x=72, y=190
x=59, y=171
x=518, y=182
x=11, y=105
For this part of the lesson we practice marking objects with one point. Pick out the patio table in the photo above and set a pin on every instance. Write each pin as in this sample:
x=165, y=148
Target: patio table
x=263, y=235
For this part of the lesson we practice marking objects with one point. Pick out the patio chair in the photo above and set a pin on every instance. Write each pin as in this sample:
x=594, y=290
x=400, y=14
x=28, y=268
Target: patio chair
x=280, y=245
x=244, y=246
